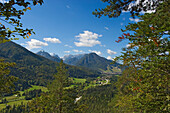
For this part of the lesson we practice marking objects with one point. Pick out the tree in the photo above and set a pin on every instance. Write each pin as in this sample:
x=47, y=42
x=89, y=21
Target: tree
x=143, y=86
x=144, y=83
x=6, y=82
x=59, y=99
x=10, y=14
x=116, y=7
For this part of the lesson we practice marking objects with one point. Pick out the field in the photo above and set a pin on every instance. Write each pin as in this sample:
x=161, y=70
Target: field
x=18, y=100
x=14, y=99
x=44, y=89
x=78, y=80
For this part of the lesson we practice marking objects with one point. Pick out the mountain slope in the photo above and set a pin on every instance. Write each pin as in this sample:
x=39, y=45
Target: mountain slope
x=35, y=69
x=48, y=56
x=94, y=61
x=72, y=59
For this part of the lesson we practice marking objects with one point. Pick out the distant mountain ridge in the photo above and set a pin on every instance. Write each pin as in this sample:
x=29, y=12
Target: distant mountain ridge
x=34, y=69
x=55, y=58
x=72, y=59
x=93, y=61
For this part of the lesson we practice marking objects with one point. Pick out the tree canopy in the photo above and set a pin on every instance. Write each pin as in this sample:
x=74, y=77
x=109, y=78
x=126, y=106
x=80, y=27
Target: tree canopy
x=6, y=82
x=143, y=86
x=115, y=7
x=10, y=15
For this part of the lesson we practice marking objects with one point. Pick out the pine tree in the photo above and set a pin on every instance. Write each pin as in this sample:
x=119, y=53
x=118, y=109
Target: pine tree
x=59, y=99
x=143, y=86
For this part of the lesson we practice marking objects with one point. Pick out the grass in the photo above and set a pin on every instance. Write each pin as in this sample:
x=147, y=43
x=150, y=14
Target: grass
x=37, y=87
x=18, y=100
x=78, y=80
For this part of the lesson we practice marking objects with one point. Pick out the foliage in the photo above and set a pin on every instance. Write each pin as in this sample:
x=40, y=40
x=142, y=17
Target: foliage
x=58, y=99
x=143, y=86
x=32, y=69
x=96, y=99
x=93, y=61
x=22, y=108
x=115, y=7
x=32, y=94
x=10, y=13
x=6, y=82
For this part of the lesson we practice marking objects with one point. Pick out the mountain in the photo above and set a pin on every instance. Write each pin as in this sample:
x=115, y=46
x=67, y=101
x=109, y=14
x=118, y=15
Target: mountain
x=93, y=61
x=55, y=58
x=34, y=69
x=72, y=59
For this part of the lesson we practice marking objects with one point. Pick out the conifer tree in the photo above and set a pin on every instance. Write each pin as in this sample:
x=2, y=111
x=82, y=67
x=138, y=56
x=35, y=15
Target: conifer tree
x=143, y=86
x=59, y=99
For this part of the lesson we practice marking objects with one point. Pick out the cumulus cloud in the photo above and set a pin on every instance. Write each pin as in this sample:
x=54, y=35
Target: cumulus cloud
x=97, y=52
x=66, y=51
x=52, y=54
x=35, y=44
x=87, y=39
x=111, y=52
x=68, y=46
x=106, y=28
x=134, y=20
x=109, y=58
x=103, y=45
x=77, y=51
x=52, y=40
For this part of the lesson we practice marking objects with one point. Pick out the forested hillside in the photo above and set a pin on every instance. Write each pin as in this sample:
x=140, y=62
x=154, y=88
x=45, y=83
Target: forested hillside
x=95, y=62
x=34, y=69
x=30, y=83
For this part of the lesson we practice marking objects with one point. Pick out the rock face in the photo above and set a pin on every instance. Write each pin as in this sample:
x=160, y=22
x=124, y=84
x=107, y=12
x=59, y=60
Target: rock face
x=55, y=58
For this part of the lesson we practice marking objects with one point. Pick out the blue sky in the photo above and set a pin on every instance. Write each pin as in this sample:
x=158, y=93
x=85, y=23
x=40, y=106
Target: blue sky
x=68, y=27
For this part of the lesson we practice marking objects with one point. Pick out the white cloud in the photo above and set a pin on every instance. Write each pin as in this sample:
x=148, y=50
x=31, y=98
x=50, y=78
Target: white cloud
x=135, y=20
x=149, y=11
x=87, y=39
x=97, y=52
x=123, y=11
x=111, y=52
x=124, y=18
x=52, y=54
x=66, y=51
x=68, y=6
x=143, y=3
x=121, y=24
x=128, y=45
x=77, y=51
x=109, y=58
x=167, y=52
x=106, y=28
x=4, y=1
x=35, y=44
x=52, y=40
x=103, y=45
x=68, y=46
